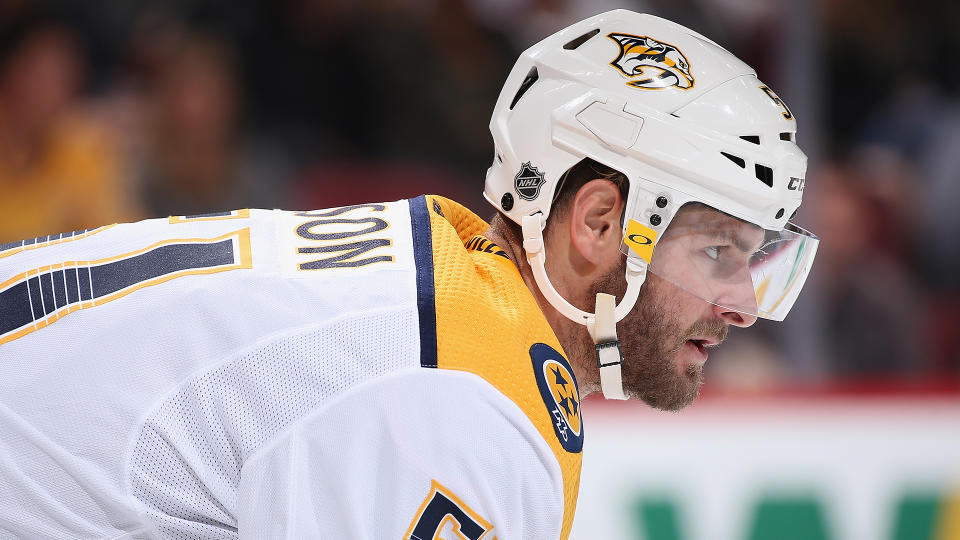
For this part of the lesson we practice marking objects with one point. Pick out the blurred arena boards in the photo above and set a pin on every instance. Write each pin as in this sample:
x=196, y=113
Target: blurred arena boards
x=835, y=467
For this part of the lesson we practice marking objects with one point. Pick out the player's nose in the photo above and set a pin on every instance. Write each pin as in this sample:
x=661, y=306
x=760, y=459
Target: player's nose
x=737, y=303
x=734, y=317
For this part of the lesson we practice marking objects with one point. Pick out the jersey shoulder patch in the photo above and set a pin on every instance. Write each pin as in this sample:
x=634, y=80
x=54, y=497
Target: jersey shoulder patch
x=558, y=388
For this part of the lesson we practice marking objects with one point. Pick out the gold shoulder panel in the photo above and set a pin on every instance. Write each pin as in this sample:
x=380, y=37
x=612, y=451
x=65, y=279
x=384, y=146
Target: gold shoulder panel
x=488, y=322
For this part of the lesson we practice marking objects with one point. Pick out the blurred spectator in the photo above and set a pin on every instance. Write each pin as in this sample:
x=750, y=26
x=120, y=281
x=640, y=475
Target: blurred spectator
x=377, y=88
x=59, y=169
x=874, y=312
x=438, y=76
x=196, y=157
x=940, y=231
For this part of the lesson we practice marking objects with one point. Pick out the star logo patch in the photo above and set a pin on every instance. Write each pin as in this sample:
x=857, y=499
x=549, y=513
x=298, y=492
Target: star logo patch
x=558, y=388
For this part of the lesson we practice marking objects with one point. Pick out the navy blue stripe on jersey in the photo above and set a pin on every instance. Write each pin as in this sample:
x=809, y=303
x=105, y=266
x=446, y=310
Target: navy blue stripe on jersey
x=111, y=277
x=73, y=292
x=59, y=288
x=34, y=291
x=34, y=301
x=86, y=291
x=423, y=257
x=46, y=293
x=15, y=307
x=211, y=214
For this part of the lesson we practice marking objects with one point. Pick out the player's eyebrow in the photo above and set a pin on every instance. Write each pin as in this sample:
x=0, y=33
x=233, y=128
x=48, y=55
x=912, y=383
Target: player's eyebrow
x=731, y=236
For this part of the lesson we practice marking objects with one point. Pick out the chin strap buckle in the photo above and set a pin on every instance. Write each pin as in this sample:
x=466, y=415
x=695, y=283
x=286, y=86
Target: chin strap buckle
x=609, y=354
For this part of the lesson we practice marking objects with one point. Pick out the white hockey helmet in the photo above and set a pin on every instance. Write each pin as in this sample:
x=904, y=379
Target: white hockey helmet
x=684, y=120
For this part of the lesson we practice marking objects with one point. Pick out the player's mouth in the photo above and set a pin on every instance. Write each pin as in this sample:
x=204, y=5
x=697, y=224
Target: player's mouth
x=700, y=345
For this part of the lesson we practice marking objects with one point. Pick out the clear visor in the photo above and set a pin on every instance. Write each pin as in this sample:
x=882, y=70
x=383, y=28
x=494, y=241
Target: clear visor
x=727, y=261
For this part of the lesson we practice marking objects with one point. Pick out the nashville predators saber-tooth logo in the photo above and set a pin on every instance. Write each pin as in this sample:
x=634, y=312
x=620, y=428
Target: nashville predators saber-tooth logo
x=651, y=64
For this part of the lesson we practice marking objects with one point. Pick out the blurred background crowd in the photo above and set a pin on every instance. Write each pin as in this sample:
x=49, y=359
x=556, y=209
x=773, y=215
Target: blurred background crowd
x=120, y=110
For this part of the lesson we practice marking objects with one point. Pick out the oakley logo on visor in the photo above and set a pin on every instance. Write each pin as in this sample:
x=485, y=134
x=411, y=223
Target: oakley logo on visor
x=640, y=239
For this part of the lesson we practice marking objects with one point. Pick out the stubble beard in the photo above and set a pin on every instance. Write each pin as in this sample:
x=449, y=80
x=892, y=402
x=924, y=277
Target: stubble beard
x=651, y=338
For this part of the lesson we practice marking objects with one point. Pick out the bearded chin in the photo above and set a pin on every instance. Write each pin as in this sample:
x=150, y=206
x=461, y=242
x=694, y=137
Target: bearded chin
x=651, y=338
x=659, y=385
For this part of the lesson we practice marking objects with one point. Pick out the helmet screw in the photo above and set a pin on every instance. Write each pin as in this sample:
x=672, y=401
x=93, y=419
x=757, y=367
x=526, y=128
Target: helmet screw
x=662, y=202
x=506, y=202
x=780, y=213
x=655, y=220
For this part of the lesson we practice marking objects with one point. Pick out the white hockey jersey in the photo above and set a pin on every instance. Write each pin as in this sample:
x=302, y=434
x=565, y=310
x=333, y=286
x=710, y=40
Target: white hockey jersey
x=371, y=371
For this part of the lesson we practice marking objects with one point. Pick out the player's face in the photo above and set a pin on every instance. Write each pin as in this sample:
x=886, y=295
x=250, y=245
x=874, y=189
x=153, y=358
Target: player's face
x=665, y=339
x=663, y=367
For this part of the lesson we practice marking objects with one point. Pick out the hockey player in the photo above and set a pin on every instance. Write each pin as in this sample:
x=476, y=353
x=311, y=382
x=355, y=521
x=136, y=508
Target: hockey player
x=404, y=369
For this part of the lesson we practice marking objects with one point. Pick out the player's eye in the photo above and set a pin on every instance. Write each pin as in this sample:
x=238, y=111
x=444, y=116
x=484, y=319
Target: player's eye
x=714, y=252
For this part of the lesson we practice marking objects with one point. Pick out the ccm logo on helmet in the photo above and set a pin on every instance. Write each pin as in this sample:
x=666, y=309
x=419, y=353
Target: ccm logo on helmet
x=657, y=64
x=796, y=184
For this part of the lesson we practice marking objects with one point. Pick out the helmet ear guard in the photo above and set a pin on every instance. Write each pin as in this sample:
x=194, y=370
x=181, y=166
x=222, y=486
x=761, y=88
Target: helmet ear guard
x=683, y=119
x=602, y=323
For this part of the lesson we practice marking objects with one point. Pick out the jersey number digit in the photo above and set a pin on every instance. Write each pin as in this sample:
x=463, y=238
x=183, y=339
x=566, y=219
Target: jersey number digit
x=41, y=296
x=442, y=513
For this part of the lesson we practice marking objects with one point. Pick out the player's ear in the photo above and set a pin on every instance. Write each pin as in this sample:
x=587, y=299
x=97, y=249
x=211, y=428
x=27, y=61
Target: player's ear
x=595, y=220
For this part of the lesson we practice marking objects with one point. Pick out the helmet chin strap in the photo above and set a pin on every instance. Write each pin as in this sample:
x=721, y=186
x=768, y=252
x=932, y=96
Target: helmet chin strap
x=602, y=324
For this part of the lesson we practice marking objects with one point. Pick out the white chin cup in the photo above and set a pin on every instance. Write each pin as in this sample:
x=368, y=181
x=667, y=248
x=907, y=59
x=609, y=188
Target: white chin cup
x=602, y=325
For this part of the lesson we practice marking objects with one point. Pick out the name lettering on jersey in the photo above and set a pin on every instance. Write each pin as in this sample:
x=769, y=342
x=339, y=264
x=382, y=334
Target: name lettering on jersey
x=345, y=236
x=558, y=388
x=213, y=216
x=484, y=245
x=42, y=296
x=442, y=515
x=12, y=248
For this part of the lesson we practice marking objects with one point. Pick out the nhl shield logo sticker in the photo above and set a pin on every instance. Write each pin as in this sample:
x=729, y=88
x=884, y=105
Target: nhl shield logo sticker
x=558, y=388
x=528, y=182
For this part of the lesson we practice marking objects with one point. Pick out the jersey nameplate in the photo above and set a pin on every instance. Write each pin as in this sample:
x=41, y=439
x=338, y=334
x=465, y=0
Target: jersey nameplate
x=558, y=388
x=353, y=236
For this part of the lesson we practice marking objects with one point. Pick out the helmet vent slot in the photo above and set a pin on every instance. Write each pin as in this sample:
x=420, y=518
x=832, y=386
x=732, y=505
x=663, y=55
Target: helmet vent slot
x=576, y=42
x=786, y=136
x=738, y=160
x=531, y=78
x=764, y=174
x=755, y=139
